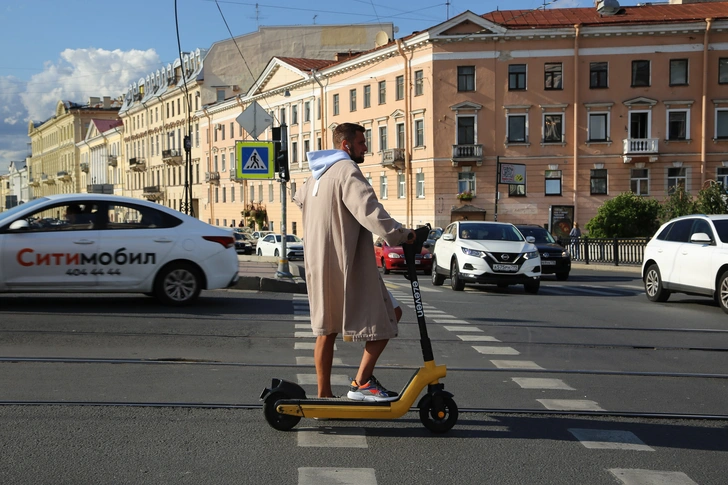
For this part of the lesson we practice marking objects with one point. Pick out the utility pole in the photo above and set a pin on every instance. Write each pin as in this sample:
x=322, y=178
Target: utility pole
x=281, y=160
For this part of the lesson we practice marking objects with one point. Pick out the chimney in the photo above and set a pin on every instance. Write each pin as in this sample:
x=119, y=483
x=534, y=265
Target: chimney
x=93, y=101
x=107, y=102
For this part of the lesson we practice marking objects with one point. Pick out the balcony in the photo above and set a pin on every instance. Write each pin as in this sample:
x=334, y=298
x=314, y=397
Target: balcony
x=47, y=179
x=112, y=161
x=639, y=146
x=212, y=178
x=84, y=167
x=467, y=153
x=34, y=182
x=392, y=156
x=100, y=189
x=172, y=157
x=63, y=176
x=153, y=192
x=137, y=164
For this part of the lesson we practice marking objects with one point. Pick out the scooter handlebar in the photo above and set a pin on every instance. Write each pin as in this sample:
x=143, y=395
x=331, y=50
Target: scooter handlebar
x=421, y=234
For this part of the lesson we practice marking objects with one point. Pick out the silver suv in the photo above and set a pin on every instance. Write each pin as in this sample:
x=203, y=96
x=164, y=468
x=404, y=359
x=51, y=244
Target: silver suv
x=689, y=255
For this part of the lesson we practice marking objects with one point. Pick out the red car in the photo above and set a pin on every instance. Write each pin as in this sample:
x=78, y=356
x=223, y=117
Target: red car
x=391, y=258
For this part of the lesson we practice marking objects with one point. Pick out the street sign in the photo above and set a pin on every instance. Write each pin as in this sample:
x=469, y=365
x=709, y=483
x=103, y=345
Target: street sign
x=255, y=119
x=254, y=160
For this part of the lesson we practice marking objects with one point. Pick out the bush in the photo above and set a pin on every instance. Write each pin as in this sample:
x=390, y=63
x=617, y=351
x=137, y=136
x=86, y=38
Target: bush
x=712, y=199
x=678, y=203
x=626, y=215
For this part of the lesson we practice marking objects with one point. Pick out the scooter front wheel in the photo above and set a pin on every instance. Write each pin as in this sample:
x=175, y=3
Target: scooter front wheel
x=281, y=422
x=438, y=413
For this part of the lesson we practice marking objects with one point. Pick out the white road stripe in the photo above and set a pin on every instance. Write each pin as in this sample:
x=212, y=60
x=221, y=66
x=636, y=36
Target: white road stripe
x=539, y=383
x=310, y=380
x=336, y=476
x=609, y=439
x=458, y=328
x=302, y=317
x=650, y=477
x=439, y=319
x=304, y=334
x=515, y=364
x=307, y=345
x=570, y=405
x=496, y=350
x=304, y=360
x=326, y=437
x=303, y=326
x=477, y=338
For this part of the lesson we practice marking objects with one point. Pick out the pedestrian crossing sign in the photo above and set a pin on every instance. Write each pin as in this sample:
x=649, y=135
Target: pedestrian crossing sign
x=254, y=160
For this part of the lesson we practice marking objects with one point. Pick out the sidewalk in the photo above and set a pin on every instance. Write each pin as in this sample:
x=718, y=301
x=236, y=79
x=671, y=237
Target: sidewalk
x=259, y=273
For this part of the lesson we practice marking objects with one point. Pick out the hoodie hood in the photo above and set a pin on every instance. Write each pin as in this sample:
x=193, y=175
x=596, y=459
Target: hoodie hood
x=320, y=161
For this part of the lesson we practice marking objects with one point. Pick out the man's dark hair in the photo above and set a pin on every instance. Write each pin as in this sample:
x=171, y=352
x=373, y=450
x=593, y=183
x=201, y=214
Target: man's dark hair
x=346, y=131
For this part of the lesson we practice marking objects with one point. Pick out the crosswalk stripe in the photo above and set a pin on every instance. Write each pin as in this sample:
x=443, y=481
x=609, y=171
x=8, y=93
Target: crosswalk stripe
x=540, y=383
x=477, y=338
x=570, y=405
x=326, y=437
x=641, y=477
x=307, y=346
x=337, y=476
x=458, y=328
x=449, y=319
x=609, y=439
x=490, y=350
x=515, y=364
x=307, y=360
x=310, y=380
x=302, y=317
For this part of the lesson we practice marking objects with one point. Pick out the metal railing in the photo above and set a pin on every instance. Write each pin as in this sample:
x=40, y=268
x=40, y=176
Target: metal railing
x=467, y=151
x=615, y=250
x=640, y=145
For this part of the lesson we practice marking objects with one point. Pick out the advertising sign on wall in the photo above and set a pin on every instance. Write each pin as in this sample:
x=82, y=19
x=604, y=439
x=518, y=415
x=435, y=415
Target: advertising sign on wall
x=560, y=220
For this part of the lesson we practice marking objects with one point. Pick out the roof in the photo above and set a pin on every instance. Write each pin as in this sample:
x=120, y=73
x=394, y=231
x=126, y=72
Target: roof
x=105, y=125
x=306, y=64
x=645, y=14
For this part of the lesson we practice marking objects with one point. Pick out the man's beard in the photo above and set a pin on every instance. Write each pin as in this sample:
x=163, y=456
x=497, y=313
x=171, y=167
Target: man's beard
x=359, y=159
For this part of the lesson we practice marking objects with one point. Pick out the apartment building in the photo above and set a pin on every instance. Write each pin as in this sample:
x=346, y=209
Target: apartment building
x=102, y=164
x=587, y=105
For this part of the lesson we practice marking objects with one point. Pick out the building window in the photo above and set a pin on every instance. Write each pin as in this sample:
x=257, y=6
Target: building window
x=260, y=192
x=382, y=92
x=294, y=114
x=401, y=186
x=270, y=193
x=466, y=182
x=399, y=91
x=598, y=75
x=222, y=163
x=307, y=111
x=722, y=177
x=399, y=128
x=318, y=109
x=466, y=78
x=352, y=100
x=516, y=77
x=640, y=73
x=598, y=182
x=721, y=124
x=419, y=133
x=382, y=138
x=516, y=129
x=283, y=116
x=419, y=83
x=217, y=195
x=336, y=104
x=368, y=139
x=677, y=125
x=293, y=192
x=678, y=72
x=220, y=97
x=553, y=182
x=553, y=128
x=306, y=149
x=466, y=130
x=598, y=126
x=420, y=178
x=224, y=195
x=383, y=187
x=676, y=177
x=367, y=96
x=294, y=152
x=723, y=70
x=369, y=179
x=553, y=75
x=232, y=196
x=639, y=181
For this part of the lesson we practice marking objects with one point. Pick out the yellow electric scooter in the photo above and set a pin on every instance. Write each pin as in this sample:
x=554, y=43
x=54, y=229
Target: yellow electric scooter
x=285, y=402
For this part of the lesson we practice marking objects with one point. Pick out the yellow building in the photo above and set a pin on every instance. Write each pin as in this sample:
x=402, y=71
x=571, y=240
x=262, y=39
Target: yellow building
x=102, y=159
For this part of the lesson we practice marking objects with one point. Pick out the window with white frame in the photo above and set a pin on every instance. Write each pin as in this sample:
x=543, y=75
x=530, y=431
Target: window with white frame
x=368, y=139
x=382, y=138
x=224, y=195
x=307, y=111
x=293, y=155
x=639, y=181
x=293, y=189
x=721, y=124
x=516, y=128
x=222, y=162
x=369, y=179
x=382, y=186
x=420, y=179
x=306, y=149
x=401, y=188
x=678, y=124
x=352, y=100
x=553, y=128
x=598, y=126
x=260, y=192
x=399, y=127
x=552, y=182
x=294, y=114
x=419, y=133
x=399, y=87
x=466, y=130
x=598, y=181
x=367, y=96
x=270, y=193
x=382, y=92
x=676, y=177
x=419, y=83
x=466, y=182
x=336, y=104
x=232, y=194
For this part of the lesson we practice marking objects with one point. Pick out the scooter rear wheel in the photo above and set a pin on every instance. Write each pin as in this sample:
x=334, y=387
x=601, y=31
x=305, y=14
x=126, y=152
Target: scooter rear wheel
x=438, y=413
x=281, y=422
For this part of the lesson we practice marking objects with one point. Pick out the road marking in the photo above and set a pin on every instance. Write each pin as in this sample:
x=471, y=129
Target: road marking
x=302, y=312
x=496, y=350
x=539, y=383
x=609, y=439
x=326, y=437
x=396, y=286
x=439, y=319
x=303, y=326
x=307, y=346
x=304, y=334
x=515, y=364
x=477, y=338
x=649, y=477
x=431, y=311
x=570, y=405
x=310, y=380
x=302, y=317
x=298, y=296
x=305, y=360
x=336, y=476
x=458, y=328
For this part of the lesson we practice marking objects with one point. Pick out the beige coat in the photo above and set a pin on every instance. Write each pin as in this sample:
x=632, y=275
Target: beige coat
x=346, y=293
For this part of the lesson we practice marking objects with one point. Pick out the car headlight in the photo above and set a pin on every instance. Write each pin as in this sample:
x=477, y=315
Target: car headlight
x=473, y=252
x=565, y=254
x=530, y=255
x=427, y=256
x=393, y=256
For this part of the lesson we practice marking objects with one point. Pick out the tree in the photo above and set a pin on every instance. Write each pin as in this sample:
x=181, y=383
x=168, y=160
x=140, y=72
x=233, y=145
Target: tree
x=712, y=199
x=626, y=215
x=678, y=203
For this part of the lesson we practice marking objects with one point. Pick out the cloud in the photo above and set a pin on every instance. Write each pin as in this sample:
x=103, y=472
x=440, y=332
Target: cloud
x=571, y=4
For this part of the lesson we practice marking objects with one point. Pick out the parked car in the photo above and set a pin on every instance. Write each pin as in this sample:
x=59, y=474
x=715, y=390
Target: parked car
x=260, y=234
x=391, y=258
x=112, y=244
x=271, y=245
x=555, y=259
x=432, y=238
x=486, y=252
x=689, y=255
x=243, y=243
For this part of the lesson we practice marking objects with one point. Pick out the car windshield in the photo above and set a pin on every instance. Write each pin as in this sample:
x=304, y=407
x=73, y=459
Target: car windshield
x=434, y=234
x=10, y=213
x=490, y=232
x=722, y=227
x=541, y=235
x=289, y=238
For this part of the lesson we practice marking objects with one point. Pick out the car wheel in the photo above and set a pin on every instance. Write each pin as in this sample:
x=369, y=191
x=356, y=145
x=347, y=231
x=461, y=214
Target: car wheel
x=260, y=252
x=385, y=270
x=437, y=279
x=721, y=293
x=456, y=282
x=532, y=287
x=276, y=253
x=653, y=285
x=178, y=284
x=562, y=276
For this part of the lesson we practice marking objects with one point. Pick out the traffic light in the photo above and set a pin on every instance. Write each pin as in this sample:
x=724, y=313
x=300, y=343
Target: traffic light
x=282, y=165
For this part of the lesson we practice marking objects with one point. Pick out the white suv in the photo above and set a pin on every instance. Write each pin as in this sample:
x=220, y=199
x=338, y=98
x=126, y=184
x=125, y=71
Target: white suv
x=486, y=252
x=688, y=254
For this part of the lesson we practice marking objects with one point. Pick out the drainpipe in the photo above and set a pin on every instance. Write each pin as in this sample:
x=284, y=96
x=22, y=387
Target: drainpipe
x=704, y=113
x=407, y=138
x=243, y=183
x=323, y=109
x=577, y=29
x=210, y=198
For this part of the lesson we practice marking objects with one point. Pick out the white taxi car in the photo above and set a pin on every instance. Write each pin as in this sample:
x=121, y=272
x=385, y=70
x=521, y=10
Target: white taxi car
x=271, y=245
x=486, y=252
x=105, y=243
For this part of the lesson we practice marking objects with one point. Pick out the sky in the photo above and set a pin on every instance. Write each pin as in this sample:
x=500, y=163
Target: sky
x=75, y=49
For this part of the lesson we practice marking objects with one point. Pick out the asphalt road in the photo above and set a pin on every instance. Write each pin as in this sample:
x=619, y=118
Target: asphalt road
x=586, y=382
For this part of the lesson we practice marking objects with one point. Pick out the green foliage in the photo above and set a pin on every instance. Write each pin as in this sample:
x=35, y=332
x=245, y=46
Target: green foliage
x=626, y=215
x=712, y=200
x=678, y=203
